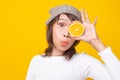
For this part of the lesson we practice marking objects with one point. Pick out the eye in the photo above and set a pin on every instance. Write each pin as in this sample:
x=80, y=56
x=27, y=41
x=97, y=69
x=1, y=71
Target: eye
x=61, y=24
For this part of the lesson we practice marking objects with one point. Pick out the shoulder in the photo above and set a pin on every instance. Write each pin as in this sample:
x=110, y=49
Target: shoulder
x=36, y=58
x=86, y=61
x=85, y=58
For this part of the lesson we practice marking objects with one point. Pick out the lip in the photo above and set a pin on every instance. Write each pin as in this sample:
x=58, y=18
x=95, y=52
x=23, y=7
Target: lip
x=64, y=43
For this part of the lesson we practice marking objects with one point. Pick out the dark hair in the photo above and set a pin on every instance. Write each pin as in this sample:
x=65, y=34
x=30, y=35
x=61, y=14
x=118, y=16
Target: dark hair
x=68, y=53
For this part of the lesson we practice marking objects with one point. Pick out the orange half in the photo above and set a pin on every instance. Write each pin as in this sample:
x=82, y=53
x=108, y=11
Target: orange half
x=76, y=29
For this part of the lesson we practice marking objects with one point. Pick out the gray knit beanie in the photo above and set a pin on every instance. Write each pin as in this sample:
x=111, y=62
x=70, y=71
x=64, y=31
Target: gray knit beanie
x=63, y=9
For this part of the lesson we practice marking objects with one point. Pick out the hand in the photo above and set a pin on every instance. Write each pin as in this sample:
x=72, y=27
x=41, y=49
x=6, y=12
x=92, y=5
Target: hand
x=90, y=32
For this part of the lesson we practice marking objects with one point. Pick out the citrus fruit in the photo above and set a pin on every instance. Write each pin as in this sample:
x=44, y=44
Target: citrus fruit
x=89, y=78
x=76, y=29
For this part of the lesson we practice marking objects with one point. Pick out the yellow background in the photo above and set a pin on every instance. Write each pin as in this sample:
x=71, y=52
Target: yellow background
x=22, y=30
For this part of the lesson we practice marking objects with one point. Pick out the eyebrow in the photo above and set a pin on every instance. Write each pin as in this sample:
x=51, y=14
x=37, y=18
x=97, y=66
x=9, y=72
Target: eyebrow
x=63, y=19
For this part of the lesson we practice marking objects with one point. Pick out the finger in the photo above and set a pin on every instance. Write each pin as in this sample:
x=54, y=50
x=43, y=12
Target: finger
x=95, y=21
x=86, y=16
x=82, y=15
x=78, y=38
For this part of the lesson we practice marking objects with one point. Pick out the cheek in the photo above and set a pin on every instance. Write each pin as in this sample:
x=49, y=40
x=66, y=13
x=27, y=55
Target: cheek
x=72, y=41
x=57, y=32
x=70, y=44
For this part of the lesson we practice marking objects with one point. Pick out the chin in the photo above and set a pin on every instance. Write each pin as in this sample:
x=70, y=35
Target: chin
x=64, y=48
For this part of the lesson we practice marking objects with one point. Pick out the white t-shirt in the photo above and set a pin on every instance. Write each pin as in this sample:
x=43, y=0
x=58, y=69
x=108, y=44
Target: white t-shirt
x=78, y=67
x=112, y=63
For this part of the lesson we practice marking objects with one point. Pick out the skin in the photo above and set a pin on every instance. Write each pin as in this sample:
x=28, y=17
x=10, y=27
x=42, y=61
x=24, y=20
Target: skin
x=63, y=41
x=90, y=36
x=61, y=38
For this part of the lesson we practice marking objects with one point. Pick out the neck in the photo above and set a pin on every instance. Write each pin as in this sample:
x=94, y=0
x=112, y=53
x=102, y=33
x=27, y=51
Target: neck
x=56, y=52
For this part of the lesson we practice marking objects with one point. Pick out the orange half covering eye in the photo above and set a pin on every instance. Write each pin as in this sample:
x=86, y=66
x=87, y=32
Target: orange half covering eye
x=76, y=29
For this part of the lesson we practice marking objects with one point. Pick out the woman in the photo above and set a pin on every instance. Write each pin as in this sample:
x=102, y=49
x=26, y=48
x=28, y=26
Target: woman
x=60, y=61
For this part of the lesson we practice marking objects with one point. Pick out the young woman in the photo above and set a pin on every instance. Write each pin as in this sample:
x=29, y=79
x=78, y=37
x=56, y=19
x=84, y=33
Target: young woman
x=60, y=61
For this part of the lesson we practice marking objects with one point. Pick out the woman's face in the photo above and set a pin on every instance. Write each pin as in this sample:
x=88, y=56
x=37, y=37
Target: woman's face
x=61, y=38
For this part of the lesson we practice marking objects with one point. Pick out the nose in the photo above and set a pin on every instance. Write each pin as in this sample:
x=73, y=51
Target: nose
x=66, y=34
